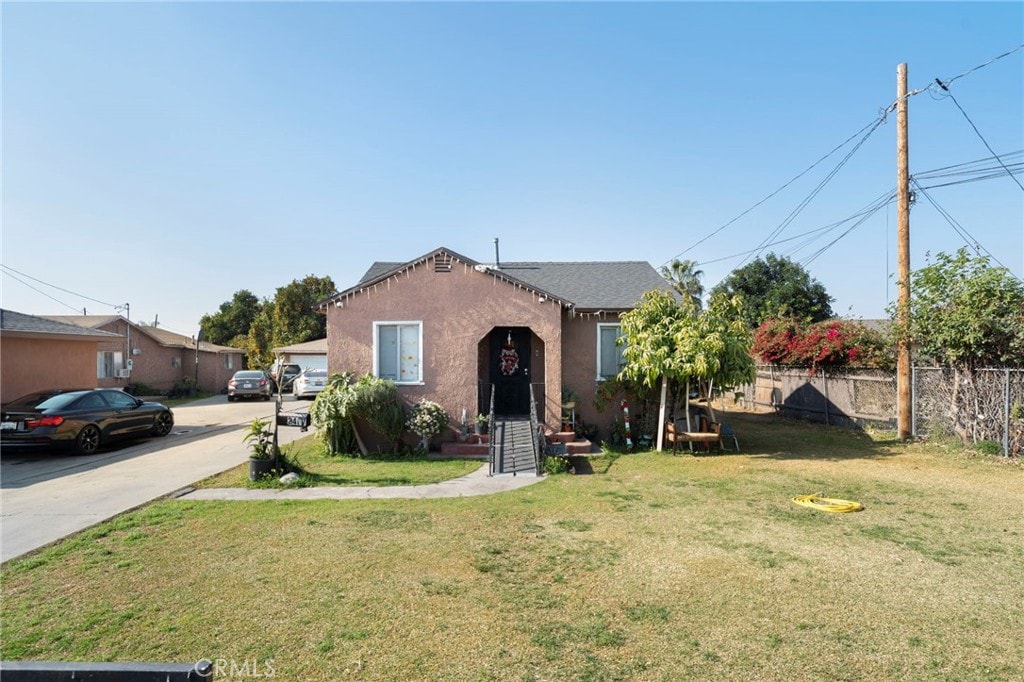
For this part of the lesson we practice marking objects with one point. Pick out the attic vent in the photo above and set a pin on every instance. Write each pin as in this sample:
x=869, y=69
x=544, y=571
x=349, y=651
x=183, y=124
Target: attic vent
x=443, y=263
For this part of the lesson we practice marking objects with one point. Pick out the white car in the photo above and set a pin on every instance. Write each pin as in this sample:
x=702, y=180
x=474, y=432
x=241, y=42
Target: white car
x=309, y=383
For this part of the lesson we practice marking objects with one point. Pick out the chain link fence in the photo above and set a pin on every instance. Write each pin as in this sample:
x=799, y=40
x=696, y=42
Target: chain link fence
x=984, y=407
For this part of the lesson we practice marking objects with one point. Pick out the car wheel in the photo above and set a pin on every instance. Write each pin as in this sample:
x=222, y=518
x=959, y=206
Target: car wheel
x=231, y=398
x=88, y=440
x=266, y=397
x=164, y=423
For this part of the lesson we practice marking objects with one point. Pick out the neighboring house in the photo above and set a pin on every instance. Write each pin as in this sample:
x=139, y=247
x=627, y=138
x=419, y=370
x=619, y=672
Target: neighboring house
x=308, y=355
x=447, y=328
x=37, y=354
x=156, y=357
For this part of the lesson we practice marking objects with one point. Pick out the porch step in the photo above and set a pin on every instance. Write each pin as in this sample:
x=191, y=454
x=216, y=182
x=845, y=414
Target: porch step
x=464, y=450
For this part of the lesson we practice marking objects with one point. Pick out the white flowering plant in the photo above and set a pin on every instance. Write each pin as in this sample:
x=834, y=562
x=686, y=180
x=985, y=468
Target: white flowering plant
x=427, y=419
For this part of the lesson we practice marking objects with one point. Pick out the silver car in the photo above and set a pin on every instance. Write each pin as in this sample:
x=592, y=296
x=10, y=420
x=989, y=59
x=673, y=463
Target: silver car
x=309, y=383
x=249, y=383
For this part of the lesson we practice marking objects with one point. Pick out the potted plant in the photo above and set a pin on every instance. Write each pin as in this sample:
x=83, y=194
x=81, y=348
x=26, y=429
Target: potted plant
x=260, y=439
x=427, y=420
x=480, y=424
x=569, y=398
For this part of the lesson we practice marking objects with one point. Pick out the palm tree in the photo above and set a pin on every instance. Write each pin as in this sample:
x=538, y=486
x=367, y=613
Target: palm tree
x=685, y=279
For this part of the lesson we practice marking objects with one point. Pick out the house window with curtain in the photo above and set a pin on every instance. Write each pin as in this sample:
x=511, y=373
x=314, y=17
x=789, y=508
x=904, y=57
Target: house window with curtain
x=176, y=361
x=108, y=363
x=229, y=361
x=610, y=360
x=398, y=351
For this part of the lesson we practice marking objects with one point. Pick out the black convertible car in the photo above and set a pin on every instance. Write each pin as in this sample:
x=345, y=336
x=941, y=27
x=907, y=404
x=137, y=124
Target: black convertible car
x=80, y=419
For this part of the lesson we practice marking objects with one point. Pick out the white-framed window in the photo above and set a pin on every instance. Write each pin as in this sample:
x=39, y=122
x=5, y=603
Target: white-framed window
x=108, y=363
x=176, y=361
x=398, y=351
x=229, y=361
x=610, y=360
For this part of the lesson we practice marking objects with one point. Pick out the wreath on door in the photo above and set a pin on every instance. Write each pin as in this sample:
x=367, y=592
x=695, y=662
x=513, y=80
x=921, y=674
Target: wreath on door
x=509, y=360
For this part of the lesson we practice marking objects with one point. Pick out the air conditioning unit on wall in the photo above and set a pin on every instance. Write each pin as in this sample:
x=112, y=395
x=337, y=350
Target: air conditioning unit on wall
x=123, y=373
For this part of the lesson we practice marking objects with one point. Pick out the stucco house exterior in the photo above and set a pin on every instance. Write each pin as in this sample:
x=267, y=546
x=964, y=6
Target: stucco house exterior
x=448, y=328
x=159, y=358
x=37, y=354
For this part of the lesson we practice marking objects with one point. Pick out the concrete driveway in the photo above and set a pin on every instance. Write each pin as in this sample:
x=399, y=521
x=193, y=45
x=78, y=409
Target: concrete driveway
x=45, y=496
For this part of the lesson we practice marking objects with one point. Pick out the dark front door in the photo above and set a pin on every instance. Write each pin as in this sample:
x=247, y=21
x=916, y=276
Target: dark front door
x=510, y=370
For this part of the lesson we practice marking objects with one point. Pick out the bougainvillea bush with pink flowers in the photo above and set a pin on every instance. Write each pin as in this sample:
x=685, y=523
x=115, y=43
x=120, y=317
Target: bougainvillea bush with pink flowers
x=823, y=345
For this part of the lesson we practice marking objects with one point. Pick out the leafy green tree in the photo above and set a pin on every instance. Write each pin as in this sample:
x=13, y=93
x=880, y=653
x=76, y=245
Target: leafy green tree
x=777, y=287
x=260, y=338
x=666, y=340
x=965, y=313
x=685, y=279
x=294, y=319
x=229, y=326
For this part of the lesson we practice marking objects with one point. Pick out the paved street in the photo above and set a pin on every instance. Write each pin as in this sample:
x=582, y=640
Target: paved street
x=45, y=496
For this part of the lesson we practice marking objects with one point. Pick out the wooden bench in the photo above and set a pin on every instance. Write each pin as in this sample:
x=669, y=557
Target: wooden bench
x=674, y=436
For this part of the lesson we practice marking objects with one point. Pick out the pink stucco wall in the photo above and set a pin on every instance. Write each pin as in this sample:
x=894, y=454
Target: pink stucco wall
x=579, y=347
x=458, y=310
x=35, y=364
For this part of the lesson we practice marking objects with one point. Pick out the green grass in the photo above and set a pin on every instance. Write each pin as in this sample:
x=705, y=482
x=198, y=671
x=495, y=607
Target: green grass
x=655, y=567
x=323, y=470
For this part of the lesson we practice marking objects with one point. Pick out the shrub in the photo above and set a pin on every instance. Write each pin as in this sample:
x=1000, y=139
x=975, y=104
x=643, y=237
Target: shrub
x=427, y=419
x=823, y=345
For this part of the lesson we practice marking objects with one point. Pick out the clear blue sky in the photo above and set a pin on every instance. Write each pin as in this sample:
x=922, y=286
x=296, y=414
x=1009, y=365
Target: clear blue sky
x=167, y=155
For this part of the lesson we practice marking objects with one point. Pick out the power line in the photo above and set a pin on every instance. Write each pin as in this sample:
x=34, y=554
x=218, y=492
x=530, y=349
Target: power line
x=883, y=114
x=981, y=66
x=807, y=200
x=42, y=292
x=968, y=238
x=54, y=286
x=945, y=87
x=796, y=177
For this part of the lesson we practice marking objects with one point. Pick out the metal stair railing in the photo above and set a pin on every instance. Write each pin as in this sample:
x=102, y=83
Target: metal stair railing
x=536, y=433
x=493, y=438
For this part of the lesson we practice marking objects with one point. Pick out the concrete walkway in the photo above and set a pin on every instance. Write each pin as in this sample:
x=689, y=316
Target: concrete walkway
x=476, y=483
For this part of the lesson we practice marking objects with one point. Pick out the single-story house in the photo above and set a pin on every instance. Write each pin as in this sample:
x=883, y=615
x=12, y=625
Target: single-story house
x=155, y=357
x=449, y=329
x=37, y=354
x=308, y=355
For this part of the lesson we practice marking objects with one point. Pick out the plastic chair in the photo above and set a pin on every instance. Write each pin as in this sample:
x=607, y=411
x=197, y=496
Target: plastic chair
x=727, y=432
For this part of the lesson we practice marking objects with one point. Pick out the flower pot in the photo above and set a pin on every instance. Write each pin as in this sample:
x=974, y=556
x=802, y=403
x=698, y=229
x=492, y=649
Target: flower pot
x=258, y=468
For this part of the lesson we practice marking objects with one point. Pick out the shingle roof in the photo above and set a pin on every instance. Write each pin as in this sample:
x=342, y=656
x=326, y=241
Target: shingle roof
x=11, y=321
x=162, y=336
x=601, y=285
x=315, y=346
x=591, y=285
x=91, y=321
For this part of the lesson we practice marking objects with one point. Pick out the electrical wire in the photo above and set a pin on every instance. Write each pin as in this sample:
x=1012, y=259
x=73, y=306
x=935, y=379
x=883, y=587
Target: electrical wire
x=796, y=177
x=981, y=66
x=883, y=114
x=981, y=137
x=966, y=236
x=810, y=197
x=54, y=286
x=38, y=291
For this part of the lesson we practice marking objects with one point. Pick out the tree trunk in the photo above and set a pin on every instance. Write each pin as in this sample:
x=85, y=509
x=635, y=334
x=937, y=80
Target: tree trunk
x=661, y=411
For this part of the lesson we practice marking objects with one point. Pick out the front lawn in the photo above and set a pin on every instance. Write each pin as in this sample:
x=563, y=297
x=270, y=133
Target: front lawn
x=377, y=470
x=654, y=567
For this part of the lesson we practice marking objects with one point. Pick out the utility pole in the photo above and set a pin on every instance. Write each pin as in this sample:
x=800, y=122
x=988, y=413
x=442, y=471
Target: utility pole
x=903, y=397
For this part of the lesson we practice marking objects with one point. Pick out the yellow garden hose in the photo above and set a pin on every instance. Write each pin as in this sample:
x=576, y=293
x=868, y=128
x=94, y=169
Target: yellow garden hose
x=829, y=504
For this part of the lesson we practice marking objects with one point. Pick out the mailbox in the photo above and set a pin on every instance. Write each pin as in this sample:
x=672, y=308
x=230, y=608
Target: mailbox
x=300, y=419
